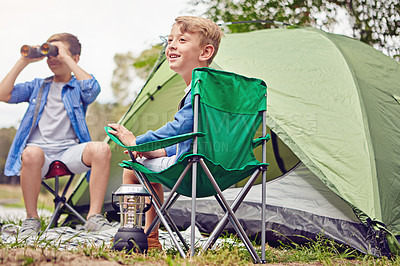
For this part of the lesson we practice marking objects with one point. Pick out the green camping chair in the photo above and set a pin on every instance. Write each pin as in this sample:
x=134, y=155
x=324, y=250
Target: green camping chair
x=228, y=110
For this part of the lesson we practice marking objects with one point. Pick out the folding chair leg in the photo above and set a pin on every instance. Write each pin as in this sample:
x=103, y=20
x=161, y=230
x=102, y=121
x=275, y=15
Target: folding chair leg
x=237, y=227
x=235, y=205
x=60, y=201
x=232, y=217
x=193, y=211
x=49, y=188
x=77, y=214
x=164, y=210
x=169, y=230
x=263, y=214
x=156, y=204
x=156, y=219
x=55, y=215
x=264, y=189
x=167, y=204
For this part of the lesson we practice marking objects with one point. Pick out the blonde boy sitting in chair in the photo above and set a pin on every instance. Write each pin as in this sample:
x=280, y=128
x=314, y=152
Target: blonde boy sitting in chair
x=192, y=43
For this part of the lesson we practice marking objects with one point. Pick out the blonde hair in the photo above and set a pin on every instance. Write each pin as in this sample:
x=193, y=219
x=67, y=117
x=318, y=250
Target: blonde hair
x=74, y=44
x=209, y=31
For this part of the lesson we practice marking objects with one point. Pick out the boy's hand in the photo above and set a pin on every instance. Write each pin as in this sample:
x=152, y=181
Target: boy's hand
x=65, y=56
x=123, y=134
x=27, y=60
x=63, y=51
x=149, y=154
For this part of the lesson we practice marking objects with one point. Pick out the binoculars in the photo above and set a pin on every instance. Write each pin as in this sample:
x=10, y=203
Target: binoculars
x=33, y=52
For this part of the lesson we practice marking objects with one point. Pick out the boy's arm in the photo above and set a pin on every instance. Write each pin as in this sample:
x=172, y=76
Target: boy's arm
x=153, y=154
x=7, y=84
x=79, y=73
x=182, y=124
x=128, y=139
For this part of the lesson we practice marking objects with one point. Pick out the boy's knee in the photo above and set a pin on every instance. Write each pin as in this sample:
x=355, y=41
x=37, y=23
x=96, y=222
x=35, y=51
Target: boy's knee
x=105, y=149
x=32, y=155
x=129, y=177
x=99, y=149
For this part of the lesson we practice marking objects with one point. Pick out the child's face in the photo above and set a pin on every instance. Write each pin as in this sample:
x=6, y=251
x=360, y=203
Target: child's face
x=183, y=52
x=57, y=66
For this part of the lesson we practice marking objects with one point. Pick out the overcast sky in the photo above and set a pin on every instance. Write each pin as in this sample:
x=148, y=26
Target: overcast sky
x=104, y=27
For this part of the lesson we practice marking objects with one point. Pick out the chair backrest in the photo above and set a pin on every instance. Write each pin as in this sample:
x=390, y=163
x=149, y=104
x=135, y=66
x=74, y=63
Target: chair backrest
x=230, y=112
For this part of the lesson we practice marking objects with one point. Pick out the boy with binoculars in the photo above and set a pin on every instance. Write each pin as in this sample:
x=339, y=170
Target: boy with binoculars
x=54, y=128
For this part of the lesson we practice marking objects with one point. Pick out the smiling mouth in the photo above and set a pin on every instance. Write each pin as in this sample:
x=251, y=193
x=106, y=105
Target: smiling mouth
x=174, y=56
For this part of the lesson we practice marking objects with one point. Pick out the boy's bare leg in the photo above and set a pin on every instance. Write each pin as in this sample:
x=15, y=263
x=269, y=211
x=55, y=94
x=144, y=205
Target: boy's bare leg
x=31, y=168
x=97, y=155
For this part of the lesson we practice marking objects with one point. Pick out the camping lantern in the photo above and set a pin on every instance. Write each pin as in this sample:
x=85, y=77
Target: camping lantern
x=131, y=206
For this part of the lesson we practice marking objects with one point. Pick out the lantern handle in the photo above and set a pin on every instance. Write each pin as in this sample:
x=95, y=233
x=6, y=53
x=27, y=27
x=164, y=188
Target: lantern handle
x=115, y=205
x=148, y=205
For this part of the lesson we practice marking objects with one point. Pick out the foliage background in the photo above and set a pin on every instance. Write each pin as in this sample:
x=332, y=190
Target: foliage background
x=375, y=22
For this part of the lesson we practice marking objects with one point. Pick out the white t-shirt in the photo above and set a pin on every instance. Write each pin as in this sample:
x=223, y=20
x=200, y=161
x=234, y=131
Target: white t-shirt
x=54, y=130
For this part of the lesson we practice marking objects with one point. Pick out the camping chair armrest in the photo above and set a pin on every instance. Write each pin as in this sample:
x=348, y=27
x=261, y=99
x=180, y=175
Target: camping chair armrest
x=258, y=141
x=154, y=145
x=125, y=164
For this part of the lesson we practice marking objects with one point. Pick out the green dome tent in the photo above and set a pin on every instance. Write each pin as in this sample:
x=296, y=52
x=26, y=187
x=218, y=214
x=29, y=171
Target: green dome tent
x=334, y=115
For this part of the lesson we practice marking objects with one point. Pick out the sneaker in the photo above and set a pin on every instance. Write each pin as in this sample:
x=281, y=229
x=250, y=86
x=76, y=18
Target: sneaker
x=10, y=229
x=30, y=227
x=97, y=222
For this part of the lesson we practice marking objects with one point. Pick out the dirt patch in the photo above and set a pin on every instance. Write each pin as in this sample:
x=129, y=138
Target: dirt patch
x=39, y=256
x=29, y=256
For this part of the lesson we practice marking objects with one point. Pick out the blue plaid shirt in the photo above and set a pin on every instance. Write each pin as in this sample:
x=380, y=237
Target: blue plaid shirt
x=76, y=96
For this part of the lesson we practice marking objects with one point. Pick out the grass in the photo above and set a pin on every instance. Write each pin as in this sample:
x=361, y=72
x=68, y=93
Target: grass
x=230, y=254
x=321, y=251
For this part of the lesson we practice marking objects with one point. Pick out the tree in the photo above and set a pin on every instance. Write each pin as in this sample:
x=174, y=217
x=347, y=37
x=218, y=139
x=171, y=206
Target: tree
x=145, y=62
x=375, y=22
x=122, y=76
x=127, y=68
x=130, y=67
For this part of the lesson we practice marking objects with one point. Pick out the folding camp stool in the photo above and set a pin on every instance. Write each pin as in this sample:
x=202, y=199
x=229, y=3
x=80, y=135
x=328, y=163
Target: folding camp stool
x=56, y=170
